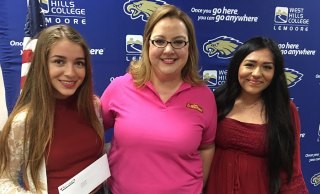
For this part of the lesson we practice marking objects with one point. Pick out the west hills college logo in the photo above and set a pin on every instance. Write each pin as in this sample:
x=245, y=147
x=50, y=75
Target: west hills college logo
x=63, y=11
x=214, y=78
x=141, y=8
x=222, y=47
x=134, y=44
x=290, y=19
x=133, y=47
x=281, y=15
x=211, y=77
x=44, y=6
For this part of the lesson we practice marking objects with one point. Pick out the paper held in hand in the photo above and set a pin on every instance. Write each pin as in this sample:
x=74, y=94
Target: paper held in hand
x=88, y=179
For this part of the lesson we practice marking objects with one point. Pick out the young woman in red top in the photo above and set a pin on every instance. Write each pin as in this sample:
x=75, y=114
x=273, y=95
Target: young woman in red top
x=257, y=139
x=54, y=130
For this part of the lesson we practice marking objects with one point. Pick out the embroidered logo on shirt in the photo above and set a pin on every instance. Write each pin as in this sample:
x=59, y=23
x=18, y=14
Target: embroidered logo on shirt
x=195, y=107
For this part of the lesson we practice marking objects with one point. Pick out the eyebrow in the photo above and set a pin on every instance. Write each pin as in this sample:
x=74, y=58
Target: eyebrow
x=58, y=56
x=254, y=61
x=63, y=57
x=176, y=37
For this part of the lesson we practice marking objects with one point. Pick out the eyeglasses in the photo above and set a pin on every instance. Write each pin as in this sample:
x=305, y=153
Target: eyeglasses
x=176, y=44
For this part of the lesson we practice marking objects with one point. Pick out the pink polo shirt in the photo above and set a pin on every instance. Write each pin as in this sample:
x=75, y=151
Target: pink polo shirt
x=155, y=144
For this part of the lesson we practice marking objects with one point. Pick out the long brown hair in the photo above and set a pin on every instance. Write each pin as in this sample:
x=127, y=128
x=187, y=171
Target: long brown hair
x=141, y=70
x=38, y=101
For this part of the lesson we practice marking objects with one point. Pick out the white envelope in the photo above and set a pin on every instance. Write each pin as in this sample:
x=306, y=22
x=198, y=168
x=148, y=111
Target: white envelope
x=88, y=179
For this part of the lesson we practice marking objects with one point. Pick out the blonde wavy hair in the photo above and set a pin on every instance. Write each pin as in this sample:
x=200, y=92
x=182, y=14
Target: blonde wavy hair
x=141, y=69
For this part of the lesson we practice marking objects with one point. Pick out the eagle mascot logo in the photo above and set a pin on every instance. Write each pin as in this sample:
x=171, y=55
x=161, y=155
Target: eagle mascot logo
x=222, y=47
x=292, y=76
x=142, y=8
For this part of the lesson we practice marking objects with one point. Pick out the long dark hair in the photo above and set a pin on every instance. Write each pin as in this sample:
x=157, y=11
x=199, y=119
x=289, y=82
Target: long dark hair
x=280, y=132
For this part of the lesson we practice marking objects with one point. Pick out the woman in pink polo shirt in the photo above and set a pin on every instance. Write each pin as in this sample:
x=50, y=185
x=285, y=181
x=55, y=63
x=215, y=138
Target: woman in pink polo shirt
x=164, y=116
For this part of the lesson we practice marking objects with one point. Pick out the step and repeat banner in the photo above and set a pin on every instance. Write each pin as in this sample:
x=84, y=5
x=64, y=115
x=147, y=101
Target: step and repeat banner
x=114, y=28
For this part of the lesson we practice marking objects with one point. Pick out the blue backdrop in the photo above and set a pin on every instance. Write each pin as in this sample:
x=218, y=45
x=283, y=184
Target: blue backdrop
x=114, y=28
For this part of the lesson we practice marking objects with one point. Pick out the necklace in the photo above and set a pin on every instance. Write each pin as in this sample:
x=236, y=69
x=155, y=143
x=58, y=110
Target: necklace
x=247, y=107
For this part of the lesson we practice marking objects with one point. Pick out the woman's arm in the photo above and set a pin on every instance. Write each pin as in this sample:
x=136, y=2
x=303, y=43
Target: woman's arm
x=297, y=184
x=9, y=180
x=206, y=153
